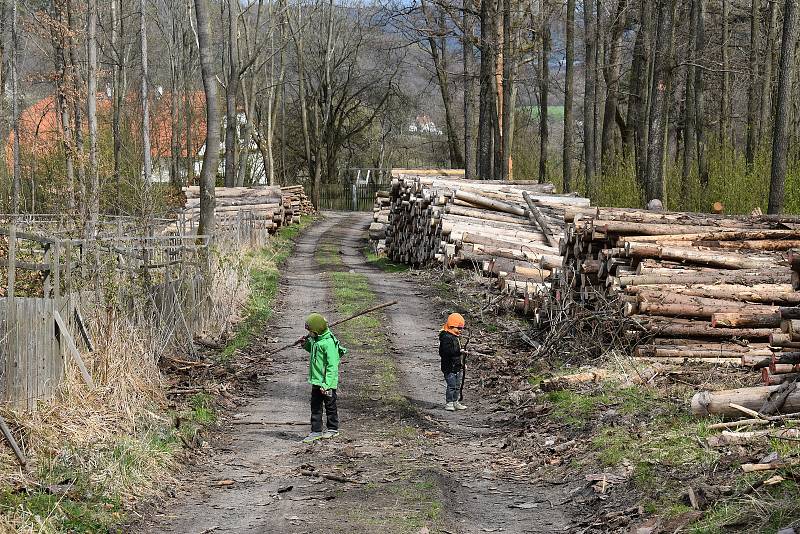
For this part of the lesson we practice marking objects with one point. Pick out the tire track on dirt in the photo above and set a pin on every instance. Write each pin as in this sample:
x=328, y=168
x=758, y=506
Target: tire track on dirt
x=479, y=498
x=420, y=466
x=260, y=459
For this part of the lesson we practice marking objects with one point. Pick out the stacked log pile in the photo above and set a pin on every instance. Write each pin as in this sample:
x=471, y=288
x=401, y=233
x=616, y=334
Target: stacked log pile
x=258, y=208
x=509, y=229
x=300, y=204
x=701, y=287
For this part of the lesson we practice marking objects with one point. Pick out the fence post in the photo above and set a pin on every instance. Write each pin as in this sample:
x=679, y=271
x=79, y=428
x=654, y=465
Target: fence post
x=355, y=196
x=12, y=259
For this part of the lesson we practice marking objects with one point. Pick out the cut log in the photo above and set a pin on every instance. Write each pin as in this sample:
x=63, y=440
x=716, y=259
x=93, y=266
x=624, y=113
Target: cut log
x=747, y=319
x=762, y=293
x=673, y=326
x=489, y=203
x=726, y=260
x=718, y=402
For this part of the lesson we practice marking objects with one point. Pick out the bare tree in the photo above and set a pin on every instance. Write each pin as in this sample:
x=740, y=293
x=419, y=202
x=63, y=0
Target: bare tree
x=569, y=74
x=91, y=115
x=754, y=87
x=469, y=88
x=15, y=181
x=544, y=89
x=147, y=161
x=725, y=96
x=780, y=132
x=231, y=92
x=590, y=77
x=655, y=187
x=211, y=156
x=436, y=34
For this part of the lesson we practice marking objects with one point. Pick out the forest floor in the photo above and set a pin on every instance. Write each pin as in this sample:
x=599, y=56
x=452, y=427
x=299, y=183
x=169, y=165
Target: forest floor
x=615, y=456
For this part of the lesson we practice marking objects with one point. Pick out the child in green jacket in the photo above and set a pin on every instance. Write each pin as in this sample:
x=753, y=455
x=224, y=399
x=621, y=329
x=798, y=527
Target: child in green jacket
x=323, y=375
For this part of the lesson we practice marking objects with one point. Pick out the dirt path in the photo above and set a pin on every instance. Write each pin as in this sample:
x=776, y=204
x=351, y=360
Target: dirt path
x=411, y=464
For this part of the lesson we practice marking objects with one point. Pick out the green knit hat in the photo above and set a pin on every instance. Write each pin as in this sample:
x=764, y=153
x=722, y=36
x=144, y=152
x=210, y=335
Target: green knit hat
x=316, y=323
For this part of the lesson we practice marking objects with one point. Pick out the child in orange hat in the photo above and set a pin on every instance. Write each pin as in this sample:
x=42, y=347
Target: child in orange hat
x=450, y=353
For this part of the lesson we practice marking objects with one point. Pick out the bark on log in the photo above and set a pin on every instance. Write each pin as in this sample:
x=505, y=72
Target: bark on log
x=718, y=402
x=725, y=260
x=747, y=319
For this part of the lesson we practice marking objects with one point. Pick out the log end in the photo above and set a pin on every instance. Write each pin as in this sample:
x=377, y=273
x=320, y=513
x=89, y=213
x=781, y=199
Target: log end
x=700, y=403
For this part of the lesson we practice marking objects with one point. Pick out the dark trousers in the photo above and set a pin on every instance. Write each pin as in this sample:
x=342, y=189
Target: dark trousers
x=453, y=391
x=317, y=402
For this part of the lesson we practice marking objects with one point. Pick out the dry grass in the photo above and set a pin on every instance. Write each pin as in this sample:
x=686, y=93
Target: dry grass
x=94, y=452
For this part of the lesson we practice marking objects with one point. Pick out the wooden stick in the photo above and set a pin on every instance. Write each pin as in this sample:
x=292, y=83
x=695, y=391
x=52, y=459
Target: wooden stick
x=11, y=441
x=750, y=468
x=335, y=478
x=71, y=348
x=331, y=325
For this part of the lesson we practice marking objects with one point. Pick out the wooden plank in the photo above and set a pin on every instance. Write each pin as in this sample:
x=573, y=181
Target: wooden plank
x=83, y=330
x=4, y=349
x=11, y=441
x=25, y=235
x=73, y=350
x=14, y=377
x=55, y=270
x=12, y=260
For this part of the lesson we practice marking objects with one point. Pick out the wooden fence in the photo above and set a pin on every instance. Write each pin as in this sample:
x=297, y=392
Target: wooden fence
x=52, y=279
x=354, y=189
x=31, y=352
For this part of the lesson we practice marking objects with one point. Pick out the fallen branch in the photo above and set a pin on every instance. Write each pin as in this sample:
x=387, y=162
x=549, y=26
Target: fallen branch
x=779, y=464
x=335, y=478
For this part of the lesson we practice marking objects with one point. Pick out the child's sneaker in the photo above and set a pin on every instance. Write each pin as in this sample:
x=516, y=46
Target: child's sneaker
x=450, y=407
x=312, y=437
x=459, y=406
x=330, y=434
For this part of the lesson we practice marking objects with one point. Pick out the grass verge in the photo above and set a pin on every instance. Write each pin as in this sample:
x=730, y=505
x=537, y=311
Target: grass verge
x=264, y=274
x=383, y=263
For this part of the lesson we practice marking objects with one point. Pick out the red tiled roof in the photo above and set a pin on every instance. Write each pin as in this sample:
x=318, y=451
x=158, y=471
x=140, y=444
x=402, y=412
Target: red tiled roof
x=41, y=131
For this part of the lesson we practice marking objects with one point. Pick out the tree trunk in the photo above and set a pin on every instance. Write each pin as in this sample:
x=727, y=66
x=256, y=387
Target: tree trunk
x=77, y=111
x=147, y=167
x=91, y=113
x=753, y=89
x=188, y=108
x=569, y=122
x=116, y=89
x=780, y=132
x=654, y=184
x=724, y=116
x=640, y=90
x=174, y=108
x=611, y=73
x=211, y=157
x=232, y=91
x=699, y=95
x=486, y=97
x=15, y=179
x=590, y=68
x=544, y=88
x=766, y=79
x=469, y=90
x=508, y=85
x=689, y=110
x=59, y=48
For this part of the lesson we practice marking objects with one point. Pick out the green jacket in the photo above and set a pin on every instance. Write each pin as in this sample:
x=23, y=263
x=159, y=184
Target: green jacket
x=323, y=368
